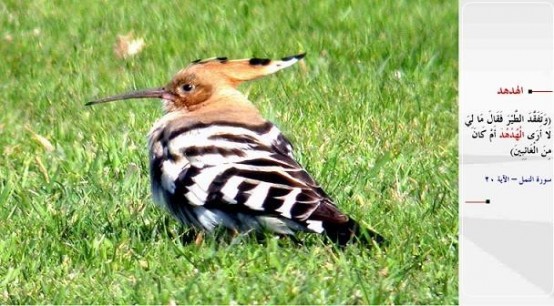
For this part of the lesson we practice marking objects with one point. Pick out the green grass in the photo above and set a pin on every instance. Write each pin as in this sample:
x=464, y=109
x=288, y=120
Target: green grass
x=372, y=117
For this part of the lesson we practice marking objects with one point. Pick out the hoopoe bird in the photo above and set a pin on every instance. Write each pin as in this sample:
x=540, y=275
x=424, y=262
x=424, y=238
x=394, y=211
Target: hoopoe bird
x=215, y=161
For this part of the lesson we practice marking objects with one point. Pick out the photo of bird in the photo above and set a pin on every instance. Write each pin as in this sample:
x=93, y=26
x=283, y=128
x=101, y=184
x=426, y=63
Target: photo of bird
x=269, y=176
x=216, y=162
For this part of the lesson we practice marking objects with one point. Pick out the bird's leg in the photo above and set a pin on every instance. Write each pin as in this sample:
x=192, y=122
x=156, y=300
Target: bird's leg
x=238, y=237
x=199, y=238
x=189, y=235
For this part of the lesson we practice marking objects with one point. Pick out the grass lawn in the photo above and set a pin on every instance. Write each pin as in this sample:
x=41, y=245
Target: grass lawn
x=372, y=115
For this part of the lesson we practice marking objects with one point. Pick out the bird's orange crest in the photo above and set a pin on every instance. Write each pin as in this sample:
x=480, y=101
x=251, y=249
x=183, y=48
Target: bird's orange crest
x=209, y=81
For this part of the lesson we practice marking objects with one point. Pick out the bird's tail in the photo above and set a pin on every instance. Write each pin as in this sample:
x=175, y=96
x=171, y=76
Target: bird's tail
x=351, y=231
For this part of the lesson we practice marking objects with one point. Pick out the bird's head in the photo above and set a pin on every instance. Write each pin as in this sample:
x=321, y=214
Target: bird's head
x=206, y=82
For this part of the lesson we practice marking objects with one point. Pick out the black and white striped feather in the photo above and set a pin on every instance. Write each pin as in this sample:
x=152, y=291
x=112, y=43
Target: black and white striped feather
x=240, y=177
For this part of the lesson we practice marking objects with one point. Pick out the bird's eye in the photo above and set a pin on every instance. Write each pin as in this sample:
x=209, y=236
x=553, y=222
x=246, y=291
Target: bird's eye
x=187, y=87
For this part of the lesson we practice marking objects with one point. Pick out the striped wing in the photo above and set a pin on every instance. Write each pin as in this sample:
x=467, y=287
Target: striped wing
x=225, y=172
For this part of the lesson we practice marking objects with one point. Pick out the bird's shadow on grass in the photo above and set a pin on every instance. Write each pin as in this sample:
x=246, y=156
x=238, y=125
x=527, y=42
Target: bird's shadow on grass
x=225, y=238
x=167, y=229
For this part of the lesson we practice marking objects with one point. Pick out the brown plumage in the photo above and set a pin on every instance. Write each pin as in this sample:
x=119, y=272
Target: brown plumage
x=215, y=161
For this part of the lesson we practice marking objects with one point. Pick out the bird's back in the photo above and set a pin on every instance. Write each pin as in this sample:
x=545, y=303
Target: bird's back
x=240, y=174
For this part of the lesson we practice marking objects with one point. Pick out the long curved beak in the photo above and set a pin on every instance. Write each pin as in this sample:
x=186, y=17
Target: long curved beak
x=152, y=93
